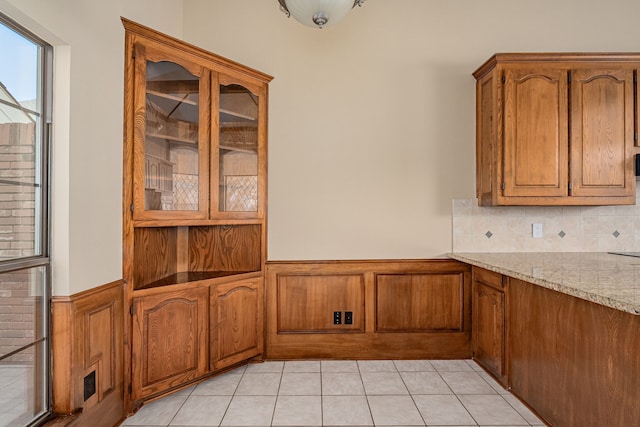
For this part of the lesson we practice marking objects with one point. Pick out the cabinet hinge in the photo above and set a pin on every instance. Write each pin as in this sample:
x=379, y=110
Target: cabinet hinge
x=635, y=78
x=131, y=207
x=635, y=136
x=130, y=388
x=504, y=79
x=503, y=186
x=131, y=310
x=570, y=186
x=569, y=78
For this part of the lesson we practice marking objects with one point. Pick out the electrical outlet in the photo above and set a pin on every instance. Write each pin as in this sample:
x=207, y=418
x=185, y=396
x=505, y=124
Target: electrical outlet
x=337, y=317
x=89, y=385
x=348, y=317
x=536, y=230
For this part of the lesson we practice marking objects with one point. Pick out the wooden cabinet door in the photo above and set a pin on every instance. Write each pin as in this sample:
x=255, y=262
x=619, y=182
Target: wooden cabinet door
x=602, y=127
x=535, y=132
x=488, y=311
x=171, y=134
x=169, y=340
x=237, y=320
x=239, y=154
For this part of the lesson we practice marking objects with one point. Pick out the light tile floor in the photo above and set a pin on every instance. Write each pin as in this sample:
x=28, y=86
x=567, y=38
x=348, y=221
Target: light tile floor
x=342, y=393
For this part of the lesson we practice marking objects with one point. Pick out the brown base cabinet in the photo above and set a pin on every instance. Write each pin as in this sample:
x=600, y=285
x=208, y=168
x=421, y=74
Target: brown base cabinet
x=575, y=362
x=183, y=335
x=488, y=320
x=236, y=322
x=169, y=340
x=572, y=361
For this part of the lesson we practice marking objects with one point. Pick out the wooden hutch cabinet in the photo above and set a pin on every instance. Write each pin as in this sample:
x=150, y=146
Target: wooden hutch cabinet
x=194, y=211
x=556, y=129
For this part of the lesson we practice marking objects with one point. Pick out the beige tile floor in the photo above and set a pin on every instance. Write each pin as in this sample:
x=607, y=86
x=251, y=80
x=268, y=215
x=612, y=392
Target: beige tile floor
x=342, y=393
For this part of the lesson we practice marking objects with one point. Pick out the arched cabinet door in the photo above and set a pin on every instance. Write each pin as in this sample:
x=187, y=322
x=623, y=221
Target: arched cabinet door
x=535, y=132
x=236, y=322
x=239, y=156
x=602, y=132
x=169, y=340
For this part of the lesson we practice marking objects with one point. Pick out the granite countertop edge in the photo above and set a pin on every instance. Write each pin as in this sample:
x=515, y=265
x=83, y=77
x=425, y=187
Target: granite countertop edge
x=500, y=264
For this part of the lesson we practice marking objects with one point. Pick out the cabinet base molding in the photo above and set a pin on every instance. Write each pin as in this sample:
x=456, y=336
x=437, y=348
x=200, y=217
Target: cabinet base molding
x=87, y=341
x=382, y=309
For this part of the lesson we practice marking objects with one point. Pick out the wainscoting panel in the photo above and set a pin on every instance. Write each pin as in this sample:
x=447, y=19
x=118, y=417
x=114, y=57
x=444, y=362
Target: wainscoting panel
x=87, y=347
x=403, y=309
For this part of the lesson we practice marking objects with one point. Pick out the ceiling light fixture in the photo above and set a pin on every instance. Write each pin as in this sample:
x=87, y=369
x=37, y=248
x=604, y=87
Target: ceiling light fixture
x=318, y=13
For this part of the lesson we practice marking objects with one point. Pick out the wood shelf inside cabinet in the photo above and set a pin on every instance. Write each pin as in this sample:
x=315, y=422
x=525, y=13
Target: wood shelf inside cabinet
x=240, y=149
x=181, y=99
x=184, y=277
x=237, y=115
x=172, y=139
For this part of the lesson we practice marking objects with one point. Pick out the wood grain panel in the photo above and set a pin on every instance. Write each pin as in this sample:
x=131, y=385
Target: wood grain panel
x=488, y=319
x=573, y=361
x=487, y=144
x=155, y=254
x=88, y=335
x=602, y=129
x=237, y=325
x=306, y=303
x=225, y=248
x=535, y=132
x=419, y=302
x=169, y=340
x=300, y=277
x=100, y=345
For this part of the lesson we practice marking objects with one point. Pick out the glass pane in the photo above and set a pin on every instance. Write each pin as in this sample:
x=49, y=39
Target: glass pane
x=22, y=346
x=20, y=122
x=22, y=388
x=18, y=67
x=238, y=150
x=171, y=145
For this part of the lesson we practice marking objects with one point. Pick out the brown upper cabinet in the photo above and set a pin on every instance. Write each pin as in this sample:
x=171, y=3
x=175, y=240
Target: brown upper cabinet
x=195, y=163
x=556, y=129
x=199, y=135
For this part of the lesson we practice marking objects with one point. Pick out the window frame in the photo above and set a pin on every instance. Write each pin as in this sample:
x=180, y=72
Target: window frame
x=42, y=216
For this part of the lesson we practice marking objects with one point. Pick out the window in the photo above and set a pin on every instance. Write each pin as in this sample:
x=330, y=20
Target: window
x=25, y=106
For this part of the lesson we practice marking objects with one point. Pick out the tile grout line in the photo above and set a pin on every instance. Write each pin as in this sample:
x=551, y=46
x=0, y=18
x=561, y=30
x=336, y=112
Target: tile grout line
x=275, y=405
x=410, y=394
x=456, y=395
x=366, y=396
x=244, y=371
x=501, y=395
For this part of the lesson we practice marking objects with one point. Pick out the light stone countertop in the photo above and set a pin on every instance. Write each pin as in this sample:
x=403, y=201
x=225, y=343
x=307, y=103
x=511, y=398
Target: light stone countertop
x=606, y=279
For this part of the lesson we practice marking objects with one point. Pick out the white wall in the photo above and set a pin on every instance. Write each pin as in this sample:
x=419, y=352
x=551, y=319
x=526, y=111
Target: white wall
x=87, y=146
x=372, y=127
x=371, y=122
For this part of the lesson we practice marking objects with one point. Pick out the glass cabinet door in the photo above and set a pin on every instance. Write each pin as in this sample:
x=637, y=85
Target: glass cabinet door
x=240, y=156
x=171, y=155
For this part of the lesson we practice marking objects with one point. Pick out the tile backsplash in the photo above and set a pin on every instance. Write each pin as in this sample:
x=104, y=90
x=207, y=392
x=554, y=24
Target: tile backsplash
x=564, y=228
